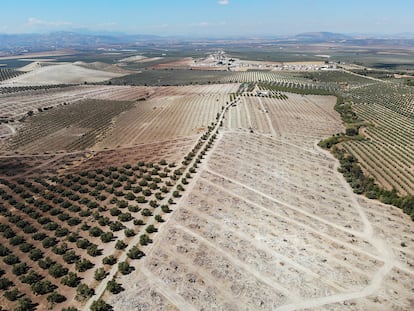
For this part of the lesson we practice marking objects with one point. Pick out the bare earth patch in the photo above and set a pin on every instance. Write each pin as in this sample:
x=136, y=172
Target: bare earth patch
x=268, y=223
x=62, y=74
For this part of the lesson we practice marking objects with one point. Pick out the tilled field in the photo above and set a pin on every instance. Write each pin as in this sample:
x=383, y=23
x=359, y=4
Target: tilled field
x=268, y=223
x=102, y=117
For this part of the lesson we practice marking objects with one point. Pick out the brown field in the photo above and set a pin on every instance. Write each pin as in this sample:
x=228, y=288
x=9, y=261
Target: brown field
x=261, y=218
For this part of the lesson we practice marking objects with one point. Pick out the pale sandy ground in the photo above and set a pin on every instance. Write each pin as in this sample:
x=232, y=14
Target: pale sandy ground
x=268, y=223
x=61, y=74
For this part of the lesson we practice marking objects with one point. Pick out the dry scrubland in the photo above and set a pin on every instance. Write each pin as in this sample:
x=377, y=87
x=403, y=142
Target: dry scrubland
x=268, y=223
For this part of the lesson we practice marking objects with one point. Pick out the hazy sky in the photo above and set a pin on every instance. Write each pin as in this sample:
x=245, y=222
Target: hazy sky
x=208, y=17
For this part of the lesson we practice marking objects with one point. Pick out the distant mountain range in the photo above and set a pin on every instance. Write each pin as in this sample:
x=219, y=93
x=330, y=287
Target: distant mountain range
x=322, y=36
x=84, y=40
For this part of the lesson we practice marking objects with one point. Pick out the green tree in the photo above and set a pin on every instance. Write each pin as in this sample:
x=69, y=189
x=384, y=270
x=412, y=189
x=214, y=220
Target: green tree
x=107, y=237
x=135, y=253
x=70, y=257
x=124, y=267
x=114, y=287
x=31, y=277
x=151, y=229
x=71, y=280
x=83, y=292
x=57, y=270
x=100, y=274
x=93, y=250
x=55, y=297
x=5, y=283
x=100, y=305
x=12, y=295
x=144, y=239
x=109, y=260
x=42, y=287
x=120, y=244
x=83, y=265
x=35, y=254
x=20, y=268
x=24, y=304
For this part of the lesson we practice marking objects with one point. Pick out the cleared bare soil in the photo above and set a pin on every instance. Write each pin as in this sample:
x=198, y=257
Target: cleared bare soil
x=268, y=223
x=62, y=74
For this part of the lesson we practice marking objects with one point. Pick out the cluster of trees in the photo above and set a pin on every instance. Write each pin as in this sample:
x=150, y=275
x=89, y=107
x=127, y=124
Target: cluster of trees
x=351, y=169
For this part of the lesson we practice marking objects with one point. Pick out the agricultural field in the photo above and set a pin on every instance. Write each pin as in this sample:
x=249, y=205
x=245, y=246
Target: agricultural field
x=186, y=77
x=386, y=154
x=203, y=190
x=6, y=74
x=60, y=236
x=269, y=223
x=111, y=116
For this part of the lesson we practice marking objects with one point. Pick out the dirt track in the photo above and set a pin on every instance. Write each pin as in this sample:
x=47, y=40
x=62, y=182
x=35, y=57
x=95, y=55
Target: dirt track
x=268, y=223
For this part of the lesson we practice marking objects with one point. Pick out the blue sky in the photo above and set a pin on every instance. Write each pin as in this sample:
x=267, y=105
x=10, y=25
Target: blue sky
x=208, y=17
